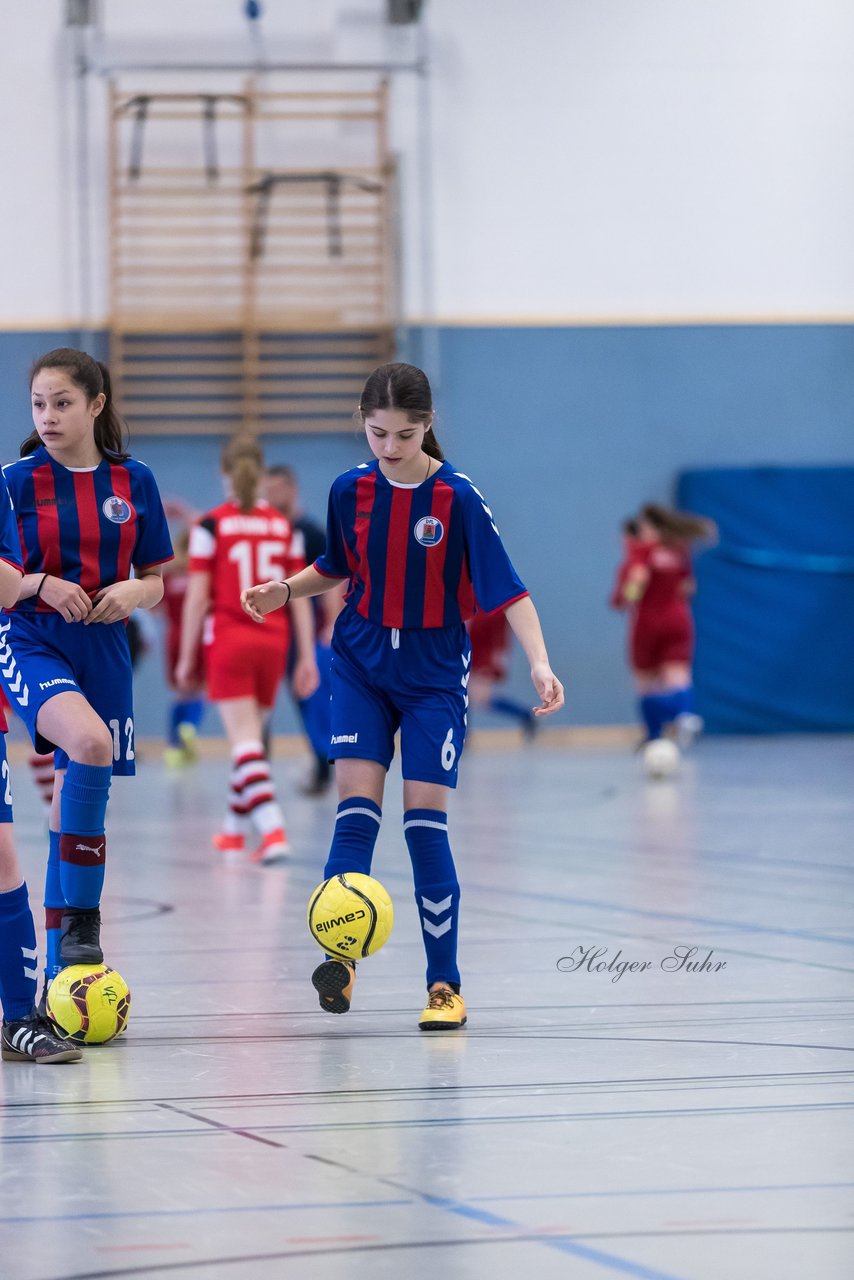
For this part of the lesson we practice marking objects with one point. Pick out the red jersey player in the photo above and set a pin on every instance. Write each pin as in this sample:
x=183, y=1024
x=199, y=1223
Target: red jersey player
x=187, y=706
x=658, y=585
x=489, y=634
x=231, y=547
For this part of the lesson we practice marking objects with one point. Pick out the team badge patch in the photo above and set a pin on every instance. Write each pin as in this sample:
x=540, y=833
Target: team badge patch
x=429, y=531
x=117, y=510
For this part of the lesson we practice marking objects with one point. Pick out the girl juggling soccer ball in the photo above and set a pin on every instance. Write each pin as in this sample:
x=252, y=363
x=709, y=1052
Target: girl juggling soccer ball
x=93, y=537
x=417, y=544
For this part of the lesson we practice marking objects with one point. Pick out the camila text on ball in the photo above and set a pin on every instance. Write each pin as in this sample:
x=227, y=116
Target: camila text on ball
x=681, y=959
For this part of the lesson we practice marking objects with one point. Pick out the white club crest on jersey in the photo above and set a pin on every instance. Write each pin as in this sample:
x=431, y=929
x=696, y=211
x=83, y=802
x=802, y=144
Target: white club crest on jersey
x=116, y=509
x=429, y=531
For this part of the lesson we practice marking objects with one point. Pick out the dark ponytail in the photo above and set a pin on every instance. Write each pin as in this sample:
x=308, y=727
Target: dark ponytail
x=678, y=526
x=403, y=387
x=92, y=378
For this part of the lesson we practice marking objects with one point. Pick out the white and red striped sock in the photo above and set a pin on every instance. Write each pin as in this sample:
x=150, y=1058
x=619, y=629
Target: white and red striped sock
x=252, y=793
x=42, y=770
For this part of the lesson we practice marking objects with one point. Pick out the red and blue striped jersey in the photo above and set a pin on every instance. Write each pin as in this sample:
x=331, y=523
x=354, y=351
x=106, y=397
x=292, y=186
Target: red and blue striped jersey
x=416, y=555
x=10, y=546
x=10, y=553
x=86, y=526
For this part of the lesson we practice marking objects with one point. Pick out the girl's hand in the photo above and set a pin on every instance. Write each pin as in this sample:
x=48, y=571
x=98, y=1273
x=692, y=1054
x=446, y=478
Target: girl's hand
x=113, y=604
x=184, y=675
x=263, y=599
x=305, y=679
x=67, y=598
x=548, y=687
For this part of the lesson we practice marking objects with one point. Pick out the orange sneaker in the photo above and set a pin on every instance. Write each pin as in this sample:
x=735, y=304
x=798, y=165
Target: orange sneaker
x=224, y=843
x=446, y=1011
x=273, y=848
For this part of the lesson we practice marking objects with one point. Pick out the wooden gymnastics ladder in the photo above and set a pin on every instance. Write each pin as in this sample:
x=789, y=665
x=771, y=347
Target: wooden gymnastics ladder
x=252, y=278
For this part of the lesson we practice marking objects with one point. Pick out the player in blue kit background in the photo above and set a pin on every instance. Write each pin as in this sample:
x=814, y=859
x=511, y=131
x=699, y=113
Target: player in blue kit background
x=88, y=515
x=416, y=542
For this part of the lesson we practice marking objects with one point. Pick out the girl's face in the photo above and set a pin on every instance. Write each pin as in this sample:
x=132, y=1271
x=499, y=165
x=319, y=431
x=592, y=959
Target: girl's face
x=397, y=443
x=64, y=417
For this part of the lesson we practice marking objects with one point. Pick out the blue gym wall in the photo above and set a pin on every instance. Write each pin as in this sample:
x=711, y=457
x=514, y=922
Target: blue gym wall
x=565, y=430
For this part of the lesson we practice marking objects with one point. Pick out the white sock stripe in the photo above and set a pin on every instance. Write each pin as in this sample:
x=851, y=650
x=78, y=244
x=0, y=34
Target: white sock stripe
x=437, y=930
x=425, y=822
x=254, y=769
x=365, y=813
x=263, y=787
x=436, y=908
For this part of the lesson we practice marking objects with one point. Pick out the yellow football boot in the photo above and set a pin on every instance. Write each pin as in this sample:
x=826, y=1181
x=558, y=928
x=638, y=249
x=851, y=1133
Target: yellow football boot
x=446, y=1011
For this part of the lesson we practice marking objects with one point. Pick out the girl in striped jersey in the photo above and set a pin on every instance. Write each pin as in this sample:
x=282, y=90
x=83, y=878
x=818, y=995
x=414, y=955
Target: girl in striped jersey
x=229, y=547
x=93, y=537
x=27, y=1036
x=417, y=543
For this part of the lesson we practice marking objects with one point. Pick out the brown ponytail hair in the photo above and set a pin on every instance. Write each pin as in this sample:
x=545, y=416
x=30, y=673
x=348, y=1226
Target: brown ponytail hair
x=403, y=387
x=678, y=526
x=242, y=460
x=92, y=378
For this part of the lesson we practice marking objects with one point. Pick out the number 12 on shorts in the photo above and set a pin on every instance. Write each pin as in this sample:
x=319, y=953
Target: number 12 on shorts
x=116, y=730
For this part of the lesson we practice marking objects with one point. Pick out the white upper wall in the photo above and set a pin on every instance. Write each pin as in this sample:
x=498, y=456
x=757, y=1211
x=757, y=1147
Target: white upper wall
x=588, y=159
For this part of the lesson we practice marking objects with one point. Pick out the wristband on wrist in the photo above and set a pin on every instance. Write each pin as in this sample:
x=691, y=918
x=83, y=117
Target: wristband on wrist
x=288, y=585
x=41, y=584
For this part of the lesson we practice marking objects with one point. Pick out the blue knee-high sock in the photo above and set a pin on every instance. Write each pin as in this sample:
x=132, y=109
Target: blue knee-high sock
x=54, y=905
x=18, y=954
x=356, y=829
x=82, y=843
x=507, y=707
x=659, y=709
x=188, y=711
x=437, y=893
x=685, y=700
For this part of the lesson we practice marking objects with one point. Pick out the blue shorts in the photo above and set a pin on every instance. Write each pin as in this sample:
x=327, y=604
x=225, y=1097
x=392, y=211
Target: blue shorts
x=5, y=783
x=413, y=680
x=43, y=655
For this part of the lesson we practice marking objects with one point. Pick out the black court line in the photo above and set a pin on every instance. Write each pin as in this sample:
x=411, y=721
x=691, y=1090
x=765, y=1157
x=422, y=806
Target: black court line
x=422, y=1093
x=502, y=1239
x=215, y=1124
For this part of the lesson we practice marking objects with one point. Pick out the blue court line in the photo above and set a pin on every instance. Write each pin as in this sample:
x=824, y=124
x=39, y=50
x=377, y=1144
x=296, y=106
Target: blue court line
x=15, y=1219
x=561, y=1244
x=706, y=921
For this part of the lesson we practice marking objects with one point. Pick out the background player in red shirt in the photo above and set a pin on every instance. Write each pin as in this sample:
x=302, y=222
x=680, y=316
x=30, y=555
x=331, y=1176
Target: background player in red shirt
x=490, y=665
x=416, y=543
x=281, y=490
x=187, y=706
x=658, y=584
x=230, y=548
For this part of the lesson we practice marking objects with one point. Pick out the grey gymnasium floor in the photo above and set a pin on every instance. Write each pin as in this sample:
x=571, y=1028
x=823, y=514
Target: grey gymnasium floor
x=659, y=1124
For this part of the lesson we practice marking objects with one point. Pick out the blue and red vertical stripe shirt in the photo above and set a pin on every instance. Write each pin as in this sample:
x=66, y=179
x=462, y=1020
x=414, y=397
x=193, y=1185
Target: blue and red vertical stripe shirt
x=416, y=556
x=86, y=526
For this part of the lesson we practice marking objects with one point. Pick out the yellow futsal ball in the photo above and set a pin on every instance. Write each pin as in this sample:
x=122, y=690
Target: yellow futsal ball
x=350, y=915
x=89, y=1004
